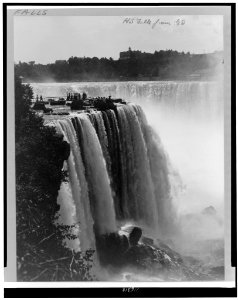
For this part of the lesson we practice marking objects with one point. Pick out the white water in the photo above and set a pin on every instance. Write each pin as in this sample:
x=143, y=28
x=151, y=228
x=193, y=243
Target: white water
x=188, y=116
x=197, y=98
x=75, y=203
x=140, y=191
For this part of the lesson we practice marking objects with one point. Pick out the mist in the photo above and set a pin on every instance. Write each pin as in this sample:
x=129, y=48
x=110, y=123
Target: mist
x=194, y=141
x=188, y=118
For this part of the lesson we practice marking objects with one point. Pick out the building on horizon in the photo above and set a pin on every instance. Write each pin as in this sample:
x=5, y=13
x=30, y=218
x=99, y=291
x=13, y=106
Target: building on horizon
x=131, y=54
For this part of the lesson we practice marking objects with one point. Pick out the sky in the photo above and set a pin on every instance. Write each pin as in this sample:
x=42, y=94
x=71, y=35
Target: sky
x=44, y=39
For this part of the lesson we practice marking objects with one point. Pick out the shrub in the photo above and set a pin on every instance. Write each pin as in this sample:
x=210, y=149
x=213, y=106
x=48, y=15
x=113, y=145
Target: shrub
x=40, y=153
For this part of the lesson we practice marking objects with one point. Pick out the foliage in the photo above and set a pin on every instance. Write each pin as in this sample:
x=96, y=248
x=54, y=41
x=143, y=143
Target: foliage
x=160, y=65
x=40, y=153
x=36, y=264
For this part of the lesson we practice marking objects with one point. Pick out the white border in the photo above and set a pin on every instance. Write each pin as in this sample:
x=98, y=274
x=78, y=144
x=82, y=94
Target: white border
x=108, y=284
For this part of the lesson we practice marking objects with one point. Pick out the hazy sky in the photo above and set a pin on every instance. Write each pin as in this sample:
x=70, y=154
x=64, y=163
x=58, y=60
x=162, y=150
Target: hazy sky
x=45, y=38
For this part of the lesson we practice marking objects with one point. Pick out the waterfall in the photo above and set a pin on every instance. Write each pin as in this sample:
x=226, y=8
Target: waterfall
x=118, y=172
x=206, y=96
x=187, y=116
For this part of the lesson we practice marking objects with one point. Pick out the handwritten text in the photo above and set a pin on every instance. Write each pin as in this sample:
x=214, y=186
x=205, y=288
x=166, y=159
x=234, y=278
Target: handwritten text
x=29, y=12
x=153, y=23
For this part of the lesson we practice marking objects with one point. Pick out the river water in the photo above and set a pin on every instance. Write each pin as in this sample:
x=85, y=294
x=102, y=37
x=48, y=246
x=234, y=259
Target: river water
x=188, y=117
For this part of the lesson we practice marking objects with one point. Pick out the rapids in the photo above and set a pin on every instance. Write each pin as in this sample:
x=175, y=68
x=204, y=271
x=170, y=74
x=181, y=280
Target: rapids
x=204, y=98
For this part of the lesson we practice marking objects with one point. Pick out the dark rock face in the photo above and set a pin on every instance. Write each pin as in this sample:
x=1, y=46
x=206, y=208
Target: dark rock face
x=135, y=236
x=111, y=248
x=152, y=257
x=65, y=150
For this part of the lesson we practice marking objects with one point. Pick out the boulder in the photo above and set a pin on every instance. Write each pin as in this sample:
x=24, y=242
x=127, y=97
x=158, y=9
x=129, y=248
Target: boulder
x=111, y=248
x=135, y=236
x=151, y=256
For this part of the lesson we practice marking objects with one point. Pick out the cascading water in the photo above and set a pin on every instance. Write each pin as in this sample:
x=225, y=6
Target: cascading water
x=118, y=172
x=187, y=115
x=206, y=98
x=120, y=175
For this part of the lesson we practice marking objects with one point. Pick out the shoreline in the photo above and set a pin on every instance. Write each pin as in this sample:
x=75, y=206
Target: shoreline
x=121, y=81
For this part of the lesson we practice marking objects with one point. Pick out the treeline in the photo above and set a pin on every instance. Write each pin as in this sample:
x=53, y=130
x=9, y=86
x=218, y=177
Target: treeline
x=160, y=65
x=40, y=153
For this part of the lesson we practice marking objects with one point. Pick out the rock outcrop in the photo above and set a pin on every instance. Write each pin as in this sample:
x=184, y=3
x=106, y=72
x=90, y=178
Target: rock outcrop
x=153, y=257
x=135, y=236
x=111, y=248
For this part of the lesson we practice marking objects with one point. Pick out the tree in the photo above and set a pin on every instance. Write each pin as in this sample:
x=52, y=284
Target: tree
x=137, y=65
x=40, y=153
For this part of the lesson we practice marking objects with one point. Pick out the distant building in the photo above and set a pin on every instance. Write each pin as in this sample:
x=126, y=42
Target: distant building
x=60, y=61
x=132, y=54
x=126, y=54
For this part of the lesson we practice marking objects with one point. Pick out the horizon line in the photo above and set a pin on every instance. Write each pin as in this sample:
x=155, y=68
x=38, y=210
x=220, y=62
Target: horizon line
x=65, y=59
